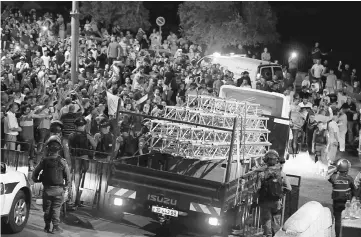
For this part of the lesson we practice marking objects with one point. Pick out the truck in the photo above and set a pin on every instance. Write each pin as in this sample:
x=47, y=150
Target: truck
x=200, y=172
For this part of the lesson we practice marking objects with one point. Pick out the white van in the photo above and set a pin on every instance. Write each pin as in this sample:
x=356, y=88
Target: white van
x=239, y=63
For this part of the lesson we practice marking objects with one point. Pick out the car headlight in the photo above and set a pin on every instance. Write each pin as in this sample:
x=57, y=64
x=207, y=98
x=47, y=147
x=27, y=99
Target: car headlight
x=213, y=221
x=118, y=202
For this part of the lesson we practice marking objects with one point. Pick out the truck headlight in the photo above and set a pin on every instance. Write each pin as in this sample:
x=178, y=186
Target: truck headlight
x=118, y=202
x=213, y=221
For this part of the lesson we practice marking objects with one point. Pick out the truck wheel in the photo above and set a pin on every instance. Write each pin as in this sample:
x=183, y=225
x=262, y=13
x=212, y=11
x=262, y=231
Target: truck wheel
x=19, y=214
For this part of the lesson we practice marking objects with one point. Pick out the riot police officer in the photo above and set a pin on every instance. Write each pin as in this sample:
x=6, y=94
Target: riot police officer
x=343, y=189
x=81, y=147
x=54, y=174
x=272, y=185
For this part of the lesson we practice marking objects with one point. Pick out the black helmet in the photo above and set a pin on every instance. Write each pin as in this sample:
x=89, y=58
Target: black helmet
x=56, y=126
x=80, y=122
x=343, y=165
x=54, y=143
x=271, y=157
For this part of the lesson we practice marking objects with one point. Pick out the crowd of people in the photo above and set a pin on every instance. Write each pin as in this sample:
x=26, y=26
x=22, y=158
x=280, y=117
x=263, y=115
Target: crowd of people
x=146, y=72
x=325, y=113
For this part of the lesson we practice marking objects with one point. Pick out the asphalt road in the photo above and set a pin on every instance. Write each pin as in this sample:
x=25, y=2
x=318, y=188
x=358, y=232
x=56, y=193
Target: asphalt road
x=82, y=224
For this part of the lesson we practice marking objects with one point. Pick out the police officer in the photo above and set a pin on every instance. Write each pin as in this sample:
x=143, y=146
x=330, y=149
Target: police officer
x=81, y=145
x=343, y=189
x=55, y=178
x=271, y=187
x=104, y=139
x=79, y=141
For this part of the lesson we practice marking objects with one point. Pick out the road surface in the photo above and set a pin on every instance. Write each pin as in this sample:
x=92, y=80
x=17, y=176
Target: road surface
x=82, y=224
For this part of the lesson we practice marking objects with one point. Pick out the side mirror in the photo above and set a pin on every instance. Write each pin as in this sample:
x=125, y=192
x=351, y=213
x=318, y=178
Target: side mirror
x=3, y=168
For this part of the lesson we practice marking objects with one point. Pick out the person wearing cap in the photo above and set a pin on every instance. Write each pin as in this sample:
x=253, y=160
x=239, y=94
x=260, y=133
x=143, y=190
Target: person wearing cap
x=79, y=141
x=81, y=145
x=104, y=139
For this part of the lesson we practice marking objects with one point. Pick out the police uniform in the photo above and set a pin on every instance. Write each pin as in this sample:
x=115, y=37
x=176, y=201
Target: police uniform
x=105, y=141
x=343, y=189
x=78, y=141
x=79, y=146
x=55, y=178
x=271, y=210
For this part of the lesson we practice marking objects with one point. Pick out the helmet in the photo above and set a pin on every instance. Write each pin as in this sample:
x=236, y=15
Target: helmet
x=343, y=165
x=56, y=126
x=271, y=157
x=54, y=143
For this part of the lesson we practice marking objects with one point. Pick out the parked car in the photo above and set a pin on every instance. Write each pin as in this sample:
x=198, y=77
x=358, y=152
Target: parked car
x=15, y=200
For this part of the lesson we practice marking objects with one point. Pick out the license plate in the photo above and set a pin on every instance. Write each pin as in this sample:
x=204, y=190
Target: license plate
x=164, y=211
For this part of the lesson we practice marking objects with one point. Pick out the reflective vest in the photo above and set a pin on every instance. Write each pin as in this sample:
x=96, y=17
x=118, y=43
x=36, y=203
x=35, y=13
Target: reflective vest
x=341, y=188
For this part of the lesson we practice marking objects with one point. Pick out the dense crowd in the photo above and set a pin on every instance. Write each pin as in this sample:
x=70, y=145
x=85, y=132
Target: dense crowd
x=146, y=71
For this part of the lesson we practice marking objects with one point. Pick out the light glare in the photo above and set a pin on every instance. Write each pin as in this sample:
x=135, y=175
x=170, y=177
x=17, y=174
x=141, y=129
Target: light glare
x=216, y=54
x=213, y=221
x=118, y=202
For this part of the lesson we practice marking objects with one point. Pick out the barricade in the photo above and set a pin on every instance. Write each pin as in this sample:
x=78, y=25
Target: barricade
x=90, y=187
x=15, y=160
x=86, y=187
x=292, y=198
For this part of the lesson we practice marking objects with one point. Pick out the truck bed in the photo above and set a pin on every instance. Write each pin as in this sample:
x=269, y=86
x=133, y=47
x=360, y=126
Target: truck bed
x=182, y=190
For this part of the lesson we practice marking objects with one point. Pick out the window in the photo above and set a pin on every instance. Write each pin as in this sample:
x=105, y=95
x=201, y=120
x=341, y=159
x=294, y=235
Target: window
x=266, y=73
x=278, y=71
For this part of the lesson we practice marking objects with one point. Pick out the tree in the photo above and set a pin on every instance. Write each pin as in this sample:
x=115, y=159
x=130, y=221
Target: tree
x=220, y=24
x=129, y=15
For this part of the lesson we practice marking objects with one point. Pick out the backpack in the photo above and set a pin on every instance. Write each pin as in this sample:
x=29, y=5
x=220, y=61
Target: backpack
x=52, y=172
x=272, y=187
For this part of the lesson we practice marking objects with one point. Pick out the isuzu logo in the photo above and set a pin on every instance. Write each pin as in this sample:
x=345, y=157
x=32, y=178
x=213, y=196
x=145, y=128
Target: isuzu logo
x=161, y=199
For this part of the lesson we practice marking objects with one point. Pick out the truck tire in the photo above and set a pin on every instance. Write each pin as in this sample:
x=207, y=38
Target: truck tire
x=19, y=214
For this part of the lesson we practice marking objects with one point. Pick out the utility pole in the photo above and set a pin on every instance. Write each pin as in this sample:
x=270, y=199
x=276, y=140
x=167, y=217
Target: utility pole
x=74, y=41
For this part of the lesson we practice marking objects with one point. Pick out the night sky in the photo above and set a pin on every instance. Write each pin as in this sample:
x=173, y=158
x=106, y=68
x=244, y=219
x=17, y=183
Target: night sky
x=332, y=24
